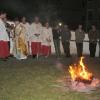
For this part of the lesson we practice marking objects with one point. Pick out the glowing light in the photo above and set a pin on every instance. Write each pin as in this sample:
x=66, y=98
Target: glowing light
x=60, y=24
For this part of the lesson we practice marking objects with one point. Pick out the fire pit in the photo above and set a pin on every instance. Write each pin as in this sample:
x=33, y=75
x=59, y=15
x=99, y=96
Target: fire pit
x=80, y=79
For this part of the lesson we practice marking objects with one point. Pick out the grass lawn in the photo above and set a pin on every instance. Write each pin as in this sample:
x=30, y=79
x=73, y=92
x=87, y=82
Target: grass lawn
x=34, y=80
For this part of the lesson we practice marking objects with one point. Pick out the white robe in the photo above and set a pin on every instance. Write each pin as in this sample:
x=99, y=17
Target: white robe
x=11, y=41
x=47, y=35
x=3, y=33
x=35, y=29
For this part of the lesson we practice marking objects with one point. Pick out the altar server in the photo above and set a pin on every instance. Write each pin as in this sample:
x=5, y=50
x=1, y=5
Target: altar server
x=36, y=37
x=4, y=38
x=47, y=38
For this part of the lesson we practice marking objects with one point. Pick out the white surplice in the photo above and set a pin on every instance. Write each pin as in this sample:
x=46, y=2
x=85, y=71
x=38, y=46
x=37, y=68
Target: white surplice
x=3, y=33
x=35, y=29
x=47, y=36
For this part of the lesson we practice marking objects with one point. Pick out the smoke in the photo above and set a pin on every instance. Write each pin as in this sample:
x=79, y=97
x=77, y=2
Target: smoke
x=60, y=66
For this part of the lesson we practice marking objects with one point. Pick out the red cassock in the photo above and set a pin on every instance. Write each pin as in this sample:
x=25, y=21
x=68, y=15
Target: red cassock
x=46, y=50
x=46, y=41
x=4, y=49
x=36, y=48
x=35, y=38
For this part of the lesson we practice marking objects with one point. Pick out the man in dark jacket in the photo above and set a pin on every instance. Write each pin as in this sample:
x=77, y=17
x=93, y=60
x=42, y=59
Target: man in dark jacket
x=56, y=38
x=93, y=35
x=80, y=35
x=66, y=37
x=99, y=41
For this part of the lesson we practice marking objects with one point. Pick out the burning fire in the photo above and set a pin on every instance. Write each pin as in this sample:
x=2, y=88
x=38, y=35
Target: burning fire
x=81, y=79
x=80, y=72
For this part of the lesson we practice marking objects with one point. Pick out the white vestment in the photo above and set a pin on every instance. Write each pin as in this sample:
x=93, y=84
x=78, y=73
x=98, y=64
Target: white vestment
x=27, y=28
x=20, y=49
x=47, y=36
x=27, y=34
x=35, y=32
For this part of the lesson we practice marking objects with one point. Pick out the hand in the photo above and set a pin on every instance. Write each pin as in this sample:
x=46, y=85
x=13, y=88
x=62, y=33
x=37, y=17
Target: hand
x=37, y=35
x=48, y=40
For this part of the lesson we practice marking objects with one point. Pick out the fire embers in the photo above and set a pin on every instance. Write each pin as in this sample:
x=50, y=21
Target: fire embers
x=84, y=87
x=82, y=80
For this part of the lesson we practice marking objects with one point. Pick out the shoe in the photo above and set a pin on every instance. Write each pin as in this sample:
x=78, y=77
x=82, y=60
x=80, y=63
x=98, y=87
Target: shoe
x=5, y=59
x=34, y=56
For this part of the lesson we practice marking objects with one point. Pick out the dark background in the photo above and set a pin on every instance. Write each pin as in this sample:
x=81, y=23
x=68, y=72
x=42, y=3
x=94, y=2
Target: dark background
x=68, y=11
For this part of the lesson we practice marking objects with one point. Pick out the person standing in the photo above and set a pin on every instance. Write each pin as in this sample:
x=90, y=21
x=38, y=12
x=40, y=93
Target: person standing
x=12, y=34
x=93, y=35
x=27, y=29
x=35, y=37
x=21, y=51
x=47, y=38
x=99, y=41
x=56, y=39
x=7, y=25
x=66, y=37
x=4, y=38
x=80, y=35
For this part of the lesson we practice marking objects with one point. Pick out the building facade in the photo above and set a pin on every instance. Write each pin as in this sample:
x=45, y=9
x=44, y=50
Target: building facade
x=93, y=13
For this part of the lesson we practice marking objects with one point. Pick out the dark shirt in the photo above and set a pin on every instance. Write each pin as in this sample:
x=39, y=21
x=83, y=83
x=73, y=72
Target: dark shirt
x=93, y=35
x=56, y=34
x=66, y=35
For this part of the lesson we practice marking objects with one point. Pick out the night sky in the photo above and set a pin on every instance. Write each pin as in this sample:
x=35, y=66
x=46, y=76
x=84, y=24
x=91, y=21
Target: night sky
x=62, y=9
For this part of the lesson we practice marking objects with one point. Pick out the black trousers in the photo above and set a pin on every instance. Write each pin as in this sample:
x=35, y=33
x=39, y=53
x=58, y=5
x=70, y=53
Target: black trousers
x=57, y=47
x=99, y=48
x=79, y=47
x=92, y=48
x=66, y=47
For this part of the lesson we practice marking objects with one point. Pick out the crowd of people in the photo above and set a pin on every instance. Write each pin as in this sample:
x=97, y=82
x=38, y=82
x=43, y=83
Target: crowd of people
x=22, y=39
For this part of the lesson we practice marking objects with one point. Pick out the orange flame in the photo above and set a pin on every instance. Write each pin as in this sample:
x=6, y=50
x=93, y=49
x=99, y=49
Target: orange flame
x=80, y=72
